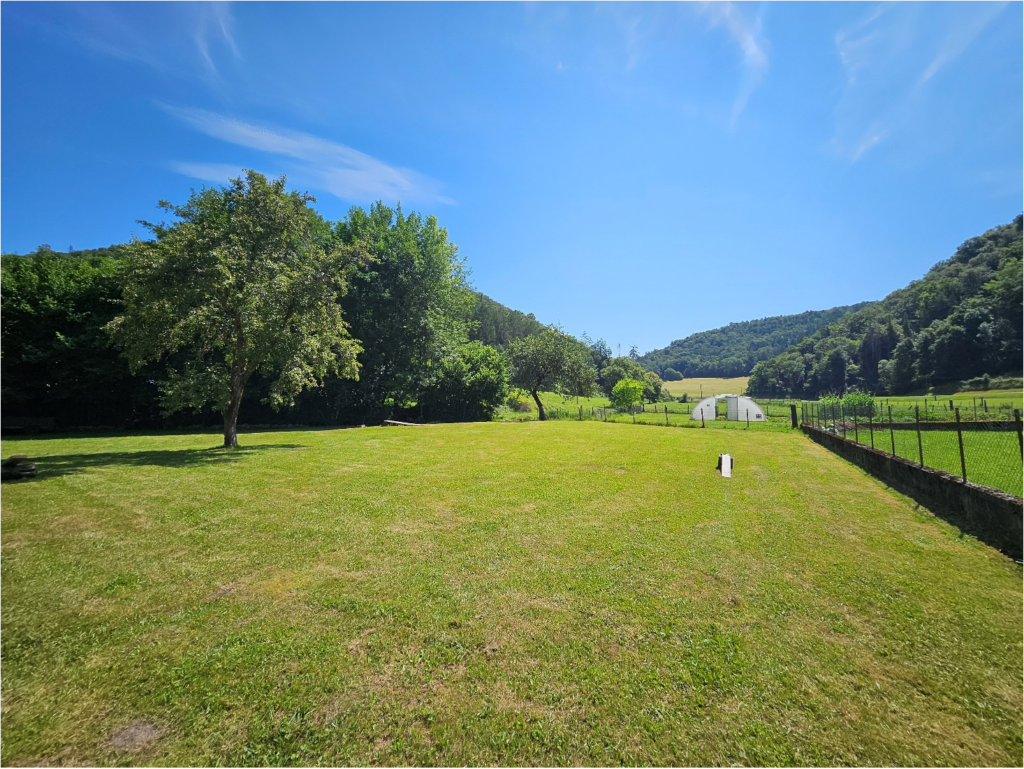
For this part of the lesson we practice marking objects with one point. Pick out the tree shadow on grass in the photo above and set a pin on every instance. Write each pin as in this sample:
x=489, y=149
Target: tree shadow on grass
x=56, y=465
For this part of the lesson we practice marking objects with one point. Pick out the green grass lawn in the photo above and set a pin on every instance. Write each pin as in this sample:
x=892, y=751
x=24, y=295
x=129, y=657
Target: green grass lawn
x=528, y=593
x=1000, y=403
x=993, y=458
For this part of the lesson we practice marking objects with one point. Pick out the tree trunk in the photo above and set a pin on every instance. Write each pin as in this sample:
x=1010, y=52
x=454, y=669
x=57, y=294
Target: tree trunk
x=231, y=422
x=238, y=380
x=540, y=406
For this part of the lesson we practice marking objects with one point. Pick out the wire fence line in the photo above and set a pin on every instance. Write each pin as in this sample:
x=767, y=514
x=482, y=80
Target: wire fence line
x=986, y=451
x=669, y=414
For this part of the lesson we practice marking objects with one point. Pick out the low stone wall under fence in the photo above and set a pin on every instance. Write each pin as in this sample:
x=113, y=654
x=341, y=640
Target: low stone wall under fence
x=992, y=516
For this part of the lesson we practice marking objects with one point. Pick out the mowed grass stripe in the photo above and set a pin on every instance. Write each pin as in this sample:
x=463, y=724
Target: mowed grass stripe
x=547, y=593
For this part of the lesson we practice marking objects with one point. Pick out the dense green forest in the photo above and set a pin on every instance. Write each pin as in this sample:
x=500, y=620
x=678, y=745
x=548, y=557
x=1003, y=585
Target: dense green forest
x=429, y=341
x=962, y=320
x=497, y=325
x=734, y=349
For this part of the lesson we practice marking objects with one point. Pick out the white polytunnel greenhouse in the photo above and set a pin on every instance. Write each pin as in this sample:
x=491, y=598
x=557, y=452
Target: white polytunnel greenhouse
x=738, y=408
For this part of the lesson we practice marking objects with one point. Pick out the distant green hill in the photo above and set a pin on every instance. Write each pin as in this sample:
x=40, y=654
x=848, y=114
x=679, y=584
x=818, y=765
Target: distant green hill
x=733, y=350
x=962, y=320
x=498, y=324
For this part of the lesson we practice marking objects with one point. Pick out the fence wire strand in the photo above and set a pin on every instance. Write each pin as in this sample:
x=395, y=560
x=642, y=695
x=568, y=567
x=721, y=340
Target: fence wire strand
x=988, y=450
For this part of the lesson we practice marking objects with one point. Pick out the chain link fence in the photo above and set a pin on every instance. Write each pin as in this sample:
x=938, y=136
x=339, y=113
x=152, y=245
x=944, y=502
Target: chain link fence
x=987, y=450
x=672, y=414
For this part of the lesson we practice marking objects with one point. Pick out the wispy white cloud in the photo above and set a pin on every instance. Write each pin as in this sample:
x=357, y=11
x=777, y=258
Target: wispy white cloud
x=746, y=33
x=960, y=36
x=336, y=168
x=170, y=37
x=889, y=57
x=212, y=26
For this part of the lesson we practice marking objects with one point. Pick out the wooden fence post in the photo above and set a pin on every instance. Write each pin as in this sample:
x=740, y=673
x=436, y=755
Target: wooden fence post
x=792, y=414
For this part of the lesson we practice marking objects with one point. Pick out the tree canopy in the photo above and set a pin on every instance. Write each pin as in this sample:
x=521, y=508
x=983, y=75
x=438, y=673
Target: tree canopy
x=246, y=280
x=429, y=342
x=552, y=361
x=627, y=393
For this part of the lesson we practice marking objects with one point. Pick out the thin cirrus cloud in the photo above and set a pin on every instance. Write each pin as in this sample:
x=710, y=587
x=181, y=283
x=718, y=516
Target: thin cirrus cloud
x=342, y=171
x=166, y=37
x=889, y=58
x=747, y=35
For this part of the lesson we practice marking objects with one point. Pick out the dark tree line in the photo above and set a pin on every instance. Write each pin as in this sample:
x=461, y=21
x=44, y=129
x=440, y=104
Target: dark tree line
x=427, y=342
x=962, y=320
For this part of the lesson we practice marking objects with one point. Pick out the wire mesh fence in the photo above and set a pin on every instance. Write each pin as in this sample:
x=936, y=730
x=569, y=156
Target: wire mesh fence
x=673, y=414
x=986, y=451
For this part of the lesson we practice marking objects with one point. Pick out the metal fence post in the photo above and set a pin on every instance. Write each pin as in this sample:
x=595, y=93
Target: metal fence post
x=871, y=426
x=1020, y=437
x=920, y=448
x=892, y=437
x=842, y=419
x=960, y=440
x=856, y=432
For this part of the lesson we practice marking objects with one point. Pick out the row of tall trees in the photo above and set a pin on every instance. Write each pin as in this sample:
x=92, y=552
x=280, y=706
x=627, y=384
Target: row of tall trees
x=962, y=320
x=248, y=301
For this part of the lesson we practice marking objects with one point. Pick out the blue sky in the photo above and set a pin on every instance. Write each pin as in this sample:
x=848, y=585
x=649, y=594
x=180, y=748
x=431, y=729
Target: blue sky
x=636, y=171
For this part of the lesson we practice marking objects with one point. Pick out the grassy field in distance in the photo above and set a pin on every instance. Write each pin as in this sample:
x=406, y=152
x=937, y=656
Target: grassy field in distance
x=712, y=386
x=528, y=593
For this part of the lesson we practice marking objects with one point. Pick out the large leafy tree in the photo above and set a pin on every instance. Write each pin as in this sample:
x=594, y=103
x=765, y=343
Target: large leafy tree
x=618, y=369
x=551, y=361
x=245, y=281
x=409, y=305
x=469, y=383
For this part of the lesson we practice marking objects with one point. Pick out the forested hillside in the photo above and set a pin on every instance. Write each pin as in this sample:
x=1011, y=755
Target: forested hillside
x=497, y=325
x=734, y=349
x=962, y=320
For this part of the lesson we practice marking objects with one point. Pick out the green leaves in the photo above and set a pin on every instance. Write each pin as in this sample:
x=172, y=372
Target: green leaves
x=627, y=393
x=551, y=361
x=241, y=283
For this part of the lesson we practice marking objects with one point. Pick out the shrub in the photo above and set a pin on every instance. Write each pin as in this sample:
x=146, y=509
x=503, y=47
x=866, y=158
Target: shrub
x=671, y=375
x=519, y=401
x=977, y=383
x=627, y=393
